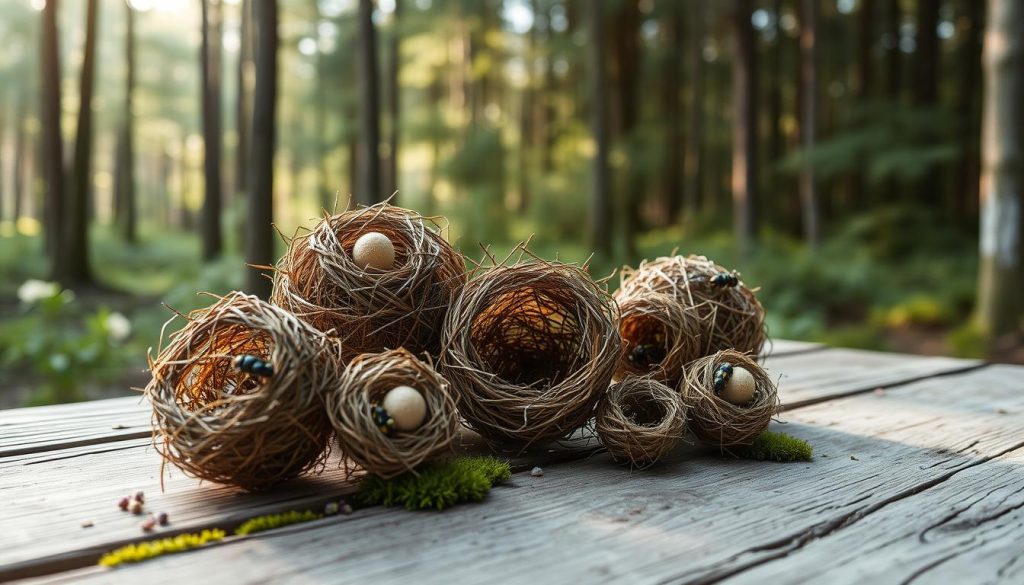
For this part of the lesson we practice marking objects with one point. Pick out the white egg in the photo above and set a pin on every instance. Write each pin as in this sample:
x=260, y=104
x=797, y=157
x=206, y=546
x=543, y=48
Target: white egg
x=374, y=250
x=407, y=406
x=740, y=387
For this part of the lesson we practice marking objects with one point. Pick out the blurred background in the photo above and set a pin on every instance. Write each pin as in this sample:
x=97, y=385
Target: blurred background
x=829, y=150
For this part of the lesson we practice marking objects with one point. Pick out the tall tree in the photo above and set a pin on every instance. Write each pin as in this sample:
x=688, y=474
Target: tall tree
x=627, y=61
x=865, y=44
x=320, y=117
x=76, y=220
x=695, y=133
x=124, y=187
x=369, y=109
x=210, y=229
x=808, y=113
x=600, y=202
x=1001, y=277
x=894, y=58
x=243, y=97
x=394, y=95
x=744, y=146
x=259, y=249
x=926, y=53
x=52, y=144
x=671, y=107
x=965, y=194
x=19, y=156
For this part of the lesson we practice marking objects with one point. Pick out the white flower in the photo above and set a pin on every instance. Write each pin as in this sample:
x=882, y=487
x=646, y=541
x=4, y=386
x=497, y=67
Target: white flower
x=118, y=326
x=32, y=291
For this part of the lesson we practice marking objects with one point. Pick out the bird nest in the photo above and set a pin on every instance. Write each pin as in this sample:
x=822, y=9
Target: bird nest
x=718, y=422
x=660, y=334
x=729, y=312
x=228, y=422
x=529, y=348
x=640, y=419
x=366, y=381
x=370, y=309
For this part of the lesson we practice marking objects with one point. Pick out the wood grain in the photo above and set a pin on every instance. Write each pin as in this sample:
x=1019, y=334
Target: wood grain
x=699, y=517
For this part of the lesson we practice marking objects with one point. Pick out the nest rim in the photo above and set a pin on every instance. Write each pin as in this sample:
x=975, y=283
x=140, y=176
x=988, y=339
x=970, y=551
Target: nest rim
x=644, y=313
x=636, y=442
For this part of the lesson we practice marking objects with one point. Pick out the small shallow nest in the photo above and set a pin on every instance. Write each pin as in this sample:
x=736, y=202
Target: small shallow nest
x=371, y=310
x=529, y=349
x=718, y=422
x=640, y=419
x=730, y=314
x=219, y=423
x=365, y=382
x=660, y=334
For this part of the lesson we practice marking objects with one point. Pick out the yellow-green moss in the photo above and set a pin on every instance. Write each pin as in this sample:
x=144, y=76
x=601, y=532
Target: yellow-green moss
x=271, y=521
x=141, y=551
x=438, y=485
x=769, y=446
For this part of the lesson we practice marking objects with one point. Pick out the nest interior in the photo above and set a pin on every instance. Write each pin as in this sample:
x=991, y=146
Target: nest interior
x=720, y=423
x=660, y=336
x=730, y=315
x=365, y=382
x=529, y=349
x=221, y=424
x=369, y=309
x=640, y=419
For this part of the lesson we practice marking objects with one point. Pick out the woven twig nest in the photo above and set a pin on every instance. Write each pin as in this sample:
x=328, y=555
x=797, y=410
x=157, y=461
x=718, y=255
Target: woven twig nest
x=718, y=422
x=365, y=382
x=220, y=423
x=529, y=348
x=729, y=312
x=640, y=419
x=660, y=335
x=370, y=309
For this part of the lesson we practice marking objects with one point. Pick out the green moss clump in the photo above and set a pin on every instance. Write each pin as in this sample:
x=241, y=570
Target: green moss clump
x=769, y=446
x=271, y=521
x=140, y=551
x=436, y=486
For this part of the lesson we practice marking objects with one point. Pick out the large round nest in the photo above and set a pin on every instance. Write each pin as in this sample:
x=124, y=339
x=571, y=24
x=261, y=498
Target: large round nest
x=366, y=381
x=221, y=424
x=640, y=419
x=529, y=348
x=660, y=334
x=369, y=309
x=730, y=314
x=718, y=422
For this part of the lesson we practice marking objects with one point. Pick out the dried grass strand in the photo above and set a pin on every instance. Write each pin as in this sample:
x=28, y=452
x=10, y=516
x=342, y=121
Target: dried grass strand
x=658, y=319
x=639, y=420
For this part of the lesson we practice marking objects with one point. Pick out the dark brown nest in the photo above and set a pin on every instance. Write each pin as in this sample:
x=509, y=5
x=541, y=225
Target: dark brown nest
x=218, y=423
x=660, y=334
x=372, y=310
x=366, y=381
x=731, y=316
x=640, y=419
x=529, y=348
x=718, y=422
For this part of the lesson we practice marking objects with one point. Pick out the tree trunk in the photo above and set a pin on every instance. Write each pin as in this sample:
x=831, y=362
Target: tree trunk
x=76, y=221
x=808, y=114
x=675, y=149
x=965, y=194
x=600, y=204
x=369, y=191
x=627, y=60
x=1001, y=277
x=212, y=137
x=243, y=108
x=744, y=148
x=19, y=159
x=124, y=186
x=894, y=58
x=926, y=54
x=327, y=202
x=394, y=95
x=865, y=43
x=695, y=135
x=259, y=249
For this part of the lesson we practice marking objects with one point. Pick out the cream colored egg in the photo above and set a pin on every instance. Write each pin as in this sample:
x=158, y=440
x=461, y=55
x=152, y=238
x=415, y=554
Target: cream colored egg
x=407, y=406
x=740, y=387
x=374, y=250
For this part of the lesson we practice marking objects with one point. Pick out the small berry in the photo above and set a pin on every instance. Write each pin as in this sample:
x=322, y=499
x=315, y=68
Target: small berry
x=345, y=508
x=162, y=519
x=140, y=497
x=148, y=524
x=135, y=507
x=123, y=504
x=331, y=508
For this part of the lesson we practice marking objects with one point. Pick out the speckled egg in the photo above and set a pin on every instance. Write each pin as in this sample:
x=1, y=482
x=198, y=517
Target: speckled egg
x=374, y=250
x=740, y=387
x=407, y=406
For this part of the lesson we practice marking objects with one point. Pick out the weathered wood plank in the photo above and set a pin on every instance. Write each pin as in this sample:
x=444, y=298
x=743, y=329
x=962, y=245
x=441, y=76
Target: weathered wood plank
x=48, y=428
x=689, y=520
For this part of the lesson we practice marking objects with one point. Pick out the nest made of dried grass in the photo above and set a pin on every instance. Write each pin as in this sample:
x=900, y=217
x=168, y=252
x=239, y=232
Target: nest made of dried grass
x=731, y=316
x=371, y=310
x=639, y=420
x=718, y=422
x=365, y=382
x=220, y=424
x=529, y=348
x=650, y=319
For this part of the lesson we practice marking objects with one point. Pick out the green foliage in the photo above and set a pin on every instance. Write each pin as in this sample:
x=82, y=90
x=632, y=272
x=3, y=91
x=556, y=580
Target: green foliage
x=770, y=446
x=478, y=172
x=272, y=521
x=437, y=486
x=968, y=341
x=140, y=551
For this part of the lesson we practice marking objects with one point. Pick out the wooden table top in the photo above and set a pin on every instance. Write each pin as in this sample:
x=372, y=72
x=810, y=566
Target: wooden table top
x=918, y=475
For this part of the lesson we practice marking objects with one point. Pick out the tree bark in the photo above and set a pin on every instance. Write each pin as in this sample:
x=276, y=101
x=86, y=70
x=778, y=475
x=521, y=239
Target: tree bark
x=865, y=44
x=76, y=220
x=259, y=249
x=1001, y=276
x=627, y=59
x=965, y=194
x=675, y=142
x=808, y=114
x=926, y=53
x=124, y=187
x=744, y=148
x=394, y=99
x=894, y=58
x=19, y=158
x=369, y=191
x=695, y=134
x=600, y=204
x=243, y=109
x=212, y=238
